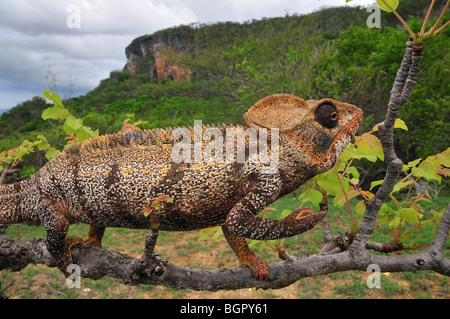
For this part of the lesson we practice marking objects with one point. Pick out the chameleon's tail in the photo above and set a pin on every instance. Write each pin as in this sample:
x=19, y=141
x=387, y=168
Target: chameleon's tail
x=17, y=202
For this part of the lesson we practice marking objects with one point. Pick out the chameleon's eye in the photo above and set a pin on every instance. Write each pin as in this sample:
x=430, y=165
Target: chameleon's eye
x=326, y=115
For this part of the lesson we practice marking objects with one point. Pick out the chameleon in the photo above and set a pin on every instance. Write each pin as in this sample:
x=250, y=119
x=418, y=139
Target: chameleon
x=109, y=180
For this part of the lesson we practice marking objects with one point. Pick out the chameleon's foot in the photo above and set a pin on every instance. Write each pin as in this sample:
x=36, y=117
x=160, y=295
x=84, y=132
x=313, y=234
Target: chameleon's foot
x=259, y=267
x=303, y=219
x=63, y=256
x=63, y=261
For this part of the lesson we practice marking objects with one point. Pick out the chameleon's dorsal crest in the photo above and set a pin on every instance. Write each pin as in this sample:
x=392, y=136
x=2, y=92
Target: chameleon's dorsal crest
x=281, y=111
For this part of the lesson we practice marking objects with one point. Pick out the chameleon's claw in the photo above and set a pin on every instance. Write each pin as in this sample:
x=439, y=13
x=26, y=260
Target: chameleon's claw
x=260, y=268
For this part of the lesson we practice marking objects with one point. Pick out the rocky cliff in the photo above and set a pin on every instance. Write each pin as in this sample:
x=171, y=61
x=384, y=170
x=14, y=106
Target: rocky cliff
x=155, y=55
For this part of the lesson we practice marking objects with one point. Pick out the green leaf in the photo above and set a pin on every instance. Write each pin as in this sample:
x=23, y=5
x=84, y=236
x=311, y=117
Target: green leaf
x=398, y=186
x=410, y=215
x=437, y=215
x=399, y=123
x=85, y=133
x=384, y=7
x=53, y=96
x=47, y=94
x=206, y=233
x=444, y=158
x=56, y=99
x=410, y=164
x=51, y=152
x=253, y=243
x=331, y=184
x=394, y=222
x=375, y=183
x=8, y=159
x=404, y=237
x=55, y=112
x=363, y=150
x=72, y=125
x=369, y=140
x=340, y=199
x=426, y=169
x=352, y=170
x=42, y=138
x=314, y=196
x=384, y=209
x=43, y=145
x=218, y=233
x=360, y=208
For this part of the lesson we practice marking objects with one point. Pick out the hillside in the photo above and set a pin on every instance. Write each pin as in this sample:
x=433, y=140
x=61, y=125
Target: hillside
x=215, y=72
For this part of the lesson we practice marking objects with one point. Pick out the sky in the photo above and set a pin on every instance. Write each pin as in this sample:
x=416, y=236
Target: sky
x=80, y=42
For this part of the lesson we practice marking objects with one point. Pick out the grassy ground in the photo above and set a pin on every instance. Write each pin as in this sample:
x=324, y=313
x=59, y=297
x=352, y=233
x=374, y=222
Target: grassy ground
x=191, y=250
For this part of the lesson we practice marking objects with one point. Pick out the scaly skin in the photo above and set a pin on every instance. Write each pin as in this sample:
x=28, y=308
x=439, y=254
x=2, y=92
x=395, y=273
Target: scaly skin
x=109, y=180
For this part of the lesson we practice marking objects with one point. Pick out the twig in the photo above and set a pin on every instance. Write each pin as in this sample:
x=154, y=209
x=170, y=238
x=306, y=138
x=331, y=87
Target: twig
x=441, y=16
x=144, y=265
x=426, y=19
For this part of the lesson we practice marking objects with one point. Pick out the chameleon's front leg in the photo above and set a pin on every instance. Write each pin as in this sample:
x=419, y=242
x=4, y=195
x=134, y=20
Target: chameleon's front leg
x=241, y=221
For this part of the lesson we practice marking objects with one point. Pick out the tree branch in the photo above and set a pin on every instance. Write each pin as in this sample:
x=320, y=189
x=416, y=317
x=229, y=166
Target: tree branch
x=404, y=84
x=96, y=263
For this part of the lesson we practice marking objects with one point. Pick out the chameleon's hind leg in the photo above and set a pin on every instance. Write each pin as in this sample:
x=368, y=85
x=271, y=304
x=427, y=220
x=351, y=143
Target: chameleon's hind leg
x=246, y=256
x=56, y=226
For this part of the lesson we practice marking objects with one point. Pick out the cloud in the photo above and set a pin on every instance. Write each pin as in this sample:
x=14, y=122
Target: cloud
x=96, y=16
x=36, y=34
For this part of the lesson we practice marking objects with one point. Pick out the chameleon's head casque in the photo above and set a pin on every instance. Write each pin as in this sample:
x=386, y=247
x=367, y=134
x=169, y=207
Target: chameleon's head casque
x=314, y=131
